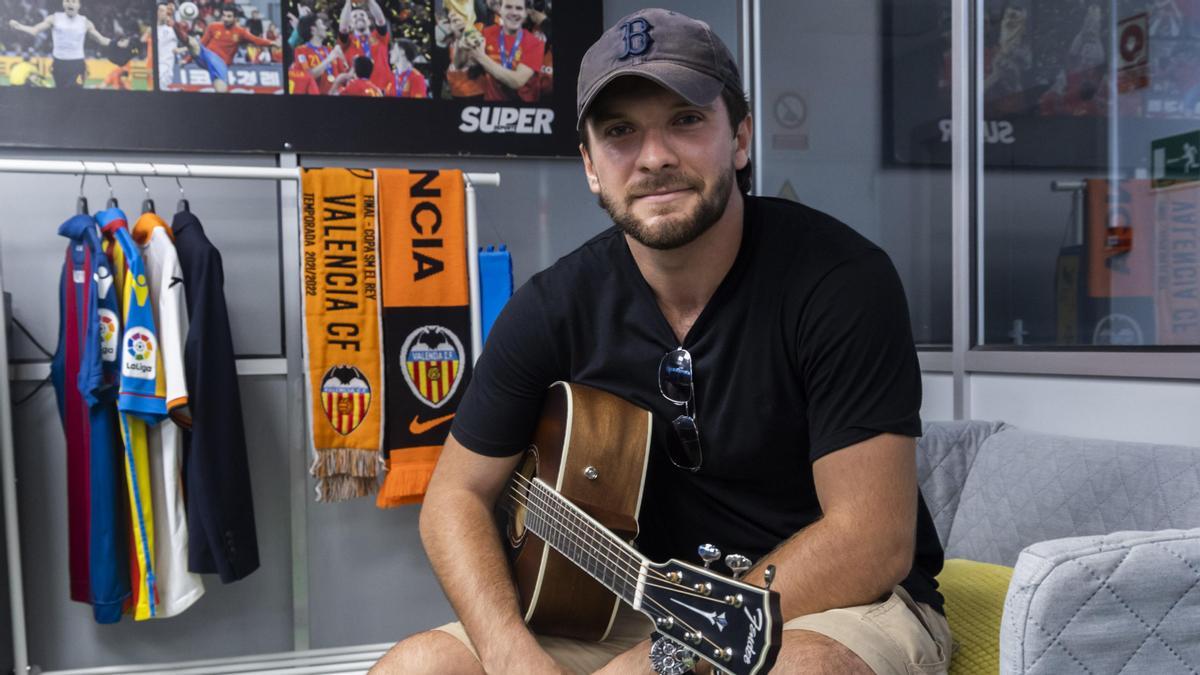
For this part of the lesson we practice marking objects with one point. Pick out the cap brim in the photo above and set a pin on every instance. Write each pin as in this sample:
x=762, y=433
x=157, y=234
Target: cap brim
x=694, y=86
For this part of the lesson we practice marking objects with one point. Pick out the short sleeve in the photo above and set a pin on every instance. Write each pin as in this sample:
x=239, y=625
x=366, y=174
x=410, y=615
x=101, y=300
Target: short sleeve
x=532, y=56
x=856, y=356
x=519, y=363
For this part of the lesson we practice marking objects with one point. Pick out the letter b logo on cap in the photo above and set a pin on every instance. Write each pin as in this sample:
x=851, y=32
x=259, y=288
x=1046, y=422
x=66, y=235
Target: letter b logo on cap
x=636, y=35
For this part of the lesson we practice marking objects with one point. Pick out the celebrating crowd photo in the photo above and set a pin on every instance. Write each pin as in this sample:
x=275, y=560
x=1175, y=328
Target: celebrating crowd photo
x=360, y=49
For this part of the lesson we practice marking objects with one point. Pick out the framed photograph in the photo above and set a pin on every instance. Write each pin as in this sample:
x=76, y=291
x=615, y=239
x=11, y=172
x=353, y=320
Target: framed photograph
x=382, y=77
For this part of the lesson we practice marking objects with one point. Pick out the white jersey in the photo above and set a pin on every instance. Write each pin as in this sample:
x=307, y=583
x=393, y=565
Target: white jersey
x=69, y=33
x=177, y=587
x=168, y=41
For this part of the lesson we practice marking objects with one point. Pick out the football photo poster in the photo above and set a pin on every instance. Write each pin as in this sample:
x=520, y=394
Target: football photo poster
x=379, y=77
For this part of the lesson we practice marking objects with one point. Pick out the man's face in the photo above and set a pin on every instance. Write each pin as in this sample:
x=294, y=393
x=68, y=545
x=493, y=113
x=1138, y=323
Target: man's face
x=457, y=24
x=663, y=168
x=359, y=21
x=228, y=18
x=319, y=30
x=512, y=13
x=398, y=58
x=164, y=13
x=71, y=7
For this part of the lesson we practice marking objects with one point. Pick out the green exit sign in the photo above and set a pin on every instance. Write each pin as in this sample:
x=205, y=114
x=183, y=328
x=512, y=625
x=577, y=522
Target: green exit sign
x=1176, y=159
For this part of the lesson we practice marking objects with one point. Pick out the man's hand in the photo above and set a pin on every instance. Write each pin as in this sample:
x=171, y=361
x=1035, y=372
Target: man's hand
x=478, y=54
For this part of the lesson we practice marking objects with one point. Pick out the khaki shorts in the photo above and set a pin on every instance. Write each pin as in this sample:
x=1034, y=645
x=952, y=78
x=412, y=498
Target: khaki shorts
x=895, y=636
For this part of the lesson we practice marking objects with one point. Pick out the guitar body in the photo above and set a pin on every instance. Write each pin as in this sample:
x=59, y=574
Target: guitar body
x=592, y=448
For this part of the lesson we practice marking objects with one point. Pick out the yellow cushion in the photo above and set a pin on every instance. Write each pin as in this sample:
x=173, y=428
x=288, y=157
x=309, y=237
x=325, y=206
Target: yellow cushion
x=974, y=593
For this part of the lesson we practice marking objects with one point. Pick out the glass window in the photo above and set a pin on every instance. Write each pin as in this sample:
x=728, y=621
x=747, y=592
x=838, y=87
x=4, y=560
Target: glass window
x=1091, y=178
x=854, y=121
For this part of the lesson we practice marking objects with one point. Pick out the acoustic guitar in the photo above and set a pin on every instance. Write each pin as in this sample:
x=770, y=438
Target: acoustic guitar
x=578, y=490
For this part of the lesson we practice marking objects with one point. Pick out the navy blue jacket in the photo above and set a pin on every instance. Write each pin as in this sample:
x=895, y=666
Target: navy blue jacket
x=220, y=509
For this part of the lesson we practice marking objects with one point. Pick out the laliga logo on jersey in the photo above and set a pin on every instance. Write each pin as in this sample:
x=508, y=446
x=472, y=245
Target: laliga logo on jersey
x=108, y=335
x=504, y=120
x=345, y=397
x=433, y=364
x=139, y=347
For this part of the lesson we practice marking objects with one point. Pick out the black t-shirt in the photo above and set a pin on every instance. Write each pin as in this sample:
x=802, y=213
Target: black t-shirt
x=805, y=348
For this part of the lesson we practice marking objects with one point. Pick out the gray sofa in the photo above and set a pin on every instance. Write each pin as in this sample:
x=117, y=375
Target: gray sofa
x=1104, y=537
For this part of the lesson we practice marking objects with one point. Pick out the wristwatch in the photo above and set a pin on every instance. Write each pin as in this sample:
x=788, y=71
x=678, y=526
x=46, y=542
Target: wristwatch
x=668, y=657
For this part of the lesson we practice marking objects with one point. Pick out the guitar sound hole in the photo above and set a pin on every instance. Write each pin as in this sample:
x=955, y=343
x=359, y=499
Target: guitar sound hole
x=526, y=471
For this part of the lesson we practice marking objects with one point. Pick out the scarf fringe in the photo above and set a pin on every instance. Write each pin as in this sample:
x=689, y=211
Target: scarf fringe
x=343, y=488
x=353, y=462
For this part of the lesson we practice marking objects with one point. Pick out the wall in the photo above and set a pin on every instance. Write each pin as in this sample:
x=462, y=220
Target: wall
x=369, y=581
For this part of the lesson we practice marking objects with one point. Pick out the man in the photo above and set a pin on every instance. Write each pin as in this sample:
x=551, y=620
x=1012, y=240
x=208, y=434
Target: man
x=801, y=378
x=511, y=56
x=203, y=57
x=168, y=45
x=359, y=82
x=225, y=37
x=463, y=77
x=405, y=80
x=69, y=29
x=319, y=61
x=367, y=36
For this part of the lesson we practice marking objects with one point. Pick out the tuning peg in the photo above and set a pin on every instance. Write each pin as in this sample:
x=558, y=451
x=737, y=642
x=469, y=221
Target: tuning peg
x=738, y=563
x=769, y=575
x=708, y=553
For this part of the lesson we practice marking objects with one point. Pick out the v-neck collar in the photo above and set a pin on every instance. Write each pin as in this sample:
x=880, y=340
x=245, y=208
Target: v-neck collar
x=719, y=297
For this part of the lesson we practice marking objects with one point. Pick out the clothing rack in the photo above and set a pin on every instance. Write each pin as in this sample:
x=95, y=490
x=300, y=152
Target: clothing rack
x=288, y=176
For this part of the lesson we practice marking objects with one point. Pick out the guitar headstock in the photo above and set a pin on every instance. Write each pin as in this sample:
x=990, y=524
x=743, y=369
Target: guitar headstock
x=731, y=624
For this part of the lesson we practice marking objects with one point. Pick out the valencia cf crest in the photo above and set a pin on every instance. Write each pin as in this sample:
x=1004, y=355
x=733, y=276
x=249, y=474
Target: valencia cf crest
x=345, y=397
x=433, y=364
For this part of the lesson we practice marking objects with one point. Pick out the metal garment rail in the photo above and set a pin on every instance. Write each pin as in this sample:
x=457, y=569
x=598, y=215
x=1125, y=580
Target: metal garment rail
x=289, y=210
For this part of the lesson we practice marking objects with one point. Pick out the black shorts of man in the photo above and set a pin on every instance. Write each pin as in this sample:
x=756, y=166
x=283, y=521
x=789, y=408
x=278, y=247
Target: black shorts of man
x=805, y=389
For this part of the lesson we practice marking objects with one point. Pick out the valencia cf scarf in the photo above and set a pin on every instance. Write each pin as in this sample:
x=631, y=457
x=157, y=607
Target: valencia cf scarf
x=426, y=321
x=341, y=331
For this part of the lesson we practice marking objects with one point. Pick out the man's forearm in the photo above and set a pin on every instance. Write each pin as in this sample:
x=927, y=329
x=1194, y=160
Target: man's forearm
x=509, y=78
x=460, y=537
x=831, y=564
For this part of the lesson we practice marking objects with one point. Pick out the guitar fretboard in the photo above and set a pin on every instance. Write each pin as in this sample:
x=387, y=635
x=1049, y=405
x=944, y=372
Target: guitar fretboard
x=585, y=542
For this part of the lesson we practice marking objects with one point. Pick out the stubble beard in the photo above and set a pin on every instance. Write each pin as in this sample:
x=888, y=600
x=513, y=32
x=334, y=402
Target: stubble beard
x=683, y=228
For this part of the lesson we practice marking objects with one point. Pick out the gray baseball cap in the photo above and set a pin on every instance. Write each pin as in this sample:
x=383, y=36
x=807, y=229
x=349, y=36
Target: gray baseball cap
x=674, y=50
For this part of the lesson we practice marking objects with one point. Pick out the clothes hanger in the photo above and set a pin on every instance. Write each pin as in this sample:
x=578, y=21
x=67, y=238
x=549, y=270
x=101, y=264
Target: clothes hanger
x=81, y=205
x=183, y=206
x=112, y=199
x=147, y=203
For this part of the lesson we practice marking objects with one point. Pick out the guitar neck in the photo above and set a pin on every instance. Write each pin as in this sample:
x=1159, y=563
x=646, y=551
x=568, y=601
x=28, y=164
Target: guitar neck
x=578, y=537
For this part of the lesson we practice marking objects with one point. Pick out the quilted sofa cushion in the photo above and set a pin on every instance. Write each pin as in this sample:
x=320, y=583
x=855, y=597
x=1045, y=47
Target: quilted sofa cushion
x=1126, y=602
x=945, y=453
x=974, y=593
x=1028, y=487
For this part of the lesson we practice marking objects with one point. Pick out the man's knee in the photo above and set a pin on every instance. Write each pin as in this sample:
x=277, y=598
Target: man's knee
x=431, y=652
x=804, y=651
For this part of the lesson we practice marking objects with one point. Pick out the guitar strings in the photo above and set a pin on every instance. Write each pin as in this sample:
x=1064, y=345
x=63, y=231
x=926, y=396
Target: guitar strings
x=541, y=501
x=631, y=564
x=650, y=603
x=664, y=610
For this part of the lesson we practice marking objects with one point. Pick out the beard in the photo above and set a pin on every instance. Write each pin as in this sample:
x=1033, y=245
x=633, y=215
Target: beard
x=681, y=228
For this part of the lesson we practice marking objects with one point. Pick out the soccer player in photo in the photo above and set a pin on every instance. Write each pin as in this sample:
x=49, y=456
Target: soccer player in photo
x=224, y=37
x=359, y=82
x=463, y=76
x=218, y=70
x=406, y=81
x=511, y=56
x=320, y=61
x=167, y=45
x=69, y=29
x=365, y=32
